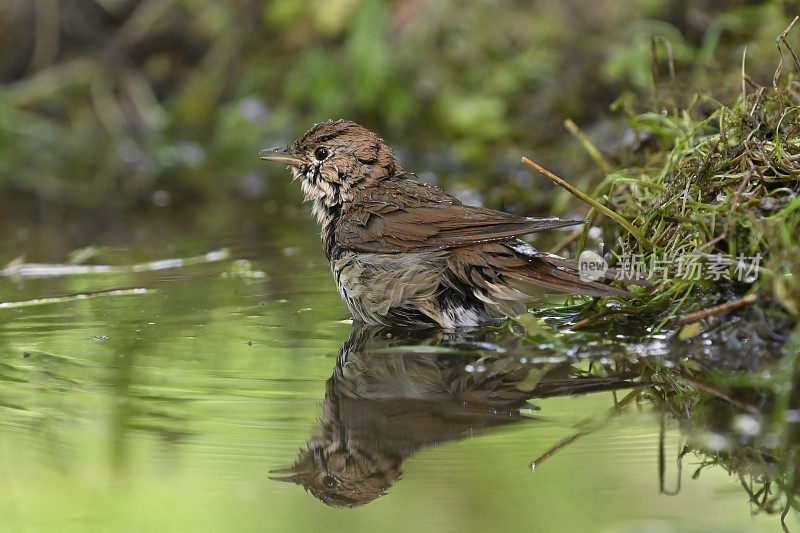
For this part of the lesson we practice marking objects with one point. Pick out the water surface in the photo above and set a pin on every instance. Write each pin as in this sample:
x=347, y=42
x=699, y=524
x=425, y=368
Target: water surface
x=166, y=405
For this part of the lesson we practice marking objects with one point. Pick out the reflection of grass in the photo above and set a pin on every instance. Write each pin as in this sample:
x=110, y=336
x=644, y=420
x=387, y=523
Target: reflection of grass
x=17, y=269
x=760, y=447
x=73, y=297
x=742, y=422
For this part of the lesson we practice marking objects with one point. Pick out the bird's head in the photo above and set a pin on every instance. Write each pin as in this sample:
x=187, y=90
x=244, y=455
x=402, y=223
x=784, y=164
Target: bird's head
x=334, y=158
x=341, y=476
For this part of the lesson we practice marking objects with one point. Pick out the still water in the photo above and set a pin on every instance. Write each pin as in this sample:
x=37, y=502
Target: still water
x=230, y=392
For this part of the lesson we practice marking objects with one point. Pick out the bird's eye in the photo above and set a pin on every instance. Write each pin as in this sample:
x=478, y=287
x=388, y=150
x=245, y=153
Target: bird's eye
x=329, y=481
x=321, y=153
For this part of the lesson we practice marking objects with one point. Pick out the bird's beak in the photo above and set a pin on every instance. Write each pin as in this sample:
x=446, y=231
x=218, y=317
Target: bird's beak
x=282, y=155
x=293, y=477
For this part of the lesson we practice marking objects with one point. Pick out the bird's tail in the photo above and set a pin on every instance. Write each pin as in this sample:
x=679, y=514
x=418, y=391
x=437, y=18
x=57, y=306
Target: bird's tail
x=611, y=274
x=552, y=278
x=556, y=274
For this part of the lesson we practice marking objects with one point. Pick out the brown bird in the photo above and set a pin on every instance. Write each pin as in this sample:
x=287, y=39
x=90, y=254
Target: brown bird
x=406, y=253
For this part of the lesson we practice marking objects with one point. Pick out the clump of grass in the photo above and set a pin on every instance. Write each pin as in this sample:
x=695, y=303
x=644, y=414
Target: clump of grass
x=717, y=183
x=714, y=188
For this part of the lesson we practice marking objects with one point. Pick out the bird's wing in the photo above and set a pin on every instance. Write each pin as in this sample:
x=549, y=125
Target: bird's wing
x=408, y=216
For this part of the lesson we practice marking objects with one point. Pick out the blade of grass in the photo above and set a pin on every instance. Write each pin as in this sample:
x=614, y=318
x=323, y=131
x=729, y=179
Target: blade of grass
x=594, y=203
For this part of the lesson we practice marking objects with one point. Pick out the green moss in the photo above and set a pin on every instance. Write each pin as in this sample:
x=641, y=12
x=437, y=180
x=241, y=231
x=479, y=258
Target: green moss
x=712, y=181
x=709, y=188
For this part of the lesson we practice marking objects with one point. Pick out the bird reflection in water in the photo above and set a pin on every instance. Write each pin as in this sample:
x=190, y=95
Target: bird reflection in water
x=394, y=393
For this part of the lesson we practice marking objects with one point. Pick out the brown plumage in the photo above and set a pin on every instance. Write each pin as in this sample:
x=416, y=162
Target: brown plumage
x=405, y=253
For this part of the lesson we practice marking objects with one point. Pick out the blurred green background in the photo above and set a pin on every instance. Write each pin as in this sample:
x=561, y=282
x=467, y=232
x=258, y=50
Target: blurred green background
x=117, y=106
x=135, y=126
